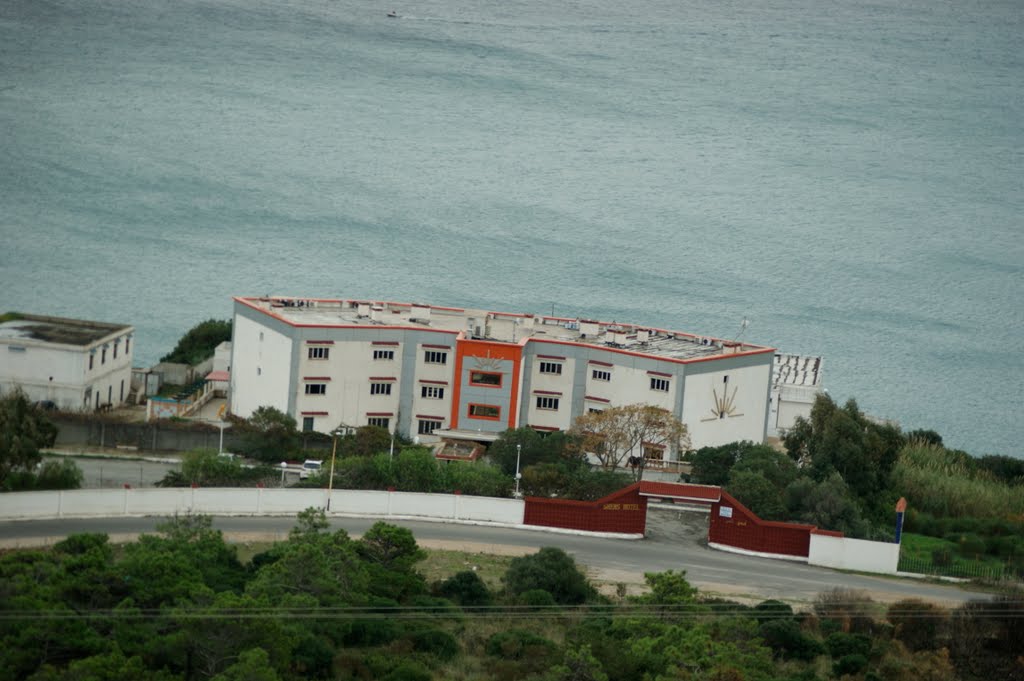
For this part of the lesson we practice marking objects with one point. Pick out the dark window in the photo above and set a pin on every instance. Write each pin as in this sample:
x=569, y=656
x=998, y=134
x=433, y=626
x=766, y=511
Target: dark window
x=484, y=378
x=484, y=411
x=660, y=384
x=435, y=357
x=427, y=426
x=601, y=375
x=319, y=353
x=307, y=424
x=547, y=402
x=551, y=368
x=379, y=421
x=380, y=388
x=432, y=392
x=316, y=388
x=383, y=354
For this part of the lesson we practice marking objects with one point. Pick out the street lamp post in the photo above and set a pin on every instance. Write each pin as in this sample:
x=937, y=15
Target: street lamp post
x=519, y=449
x=220, y=446
x=330, y=479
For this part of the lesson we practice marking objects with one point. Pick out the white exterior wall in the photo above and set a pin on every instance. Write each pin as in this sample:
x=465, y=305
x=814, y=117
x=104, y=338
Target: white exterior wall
x=261, y=368
x=350, y=365
x=60, y=373
x=747, y=421
x=788, y=403
x=541, y=385
x=633, y=386
x=222, y=357
x=853, y=554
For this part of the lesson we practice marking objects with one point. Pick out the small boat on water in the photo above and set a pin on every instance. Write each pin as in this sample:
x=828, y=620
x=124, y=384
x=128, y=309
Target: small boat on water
x=393, y=14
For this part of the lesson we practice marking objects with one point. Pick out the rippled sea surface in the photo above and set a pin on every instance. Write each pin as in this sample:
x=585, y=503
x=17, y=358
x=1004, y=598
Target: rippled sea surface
x=847, y=176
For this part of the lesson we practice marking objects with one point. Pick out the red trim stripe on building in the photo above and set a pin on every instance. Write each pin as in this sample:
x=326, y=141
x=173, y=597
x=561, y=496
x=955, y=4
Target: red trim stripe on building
x=596, y=399
x=546, y=392
x=437, y=347
x=383, y=378
x=434, y=382
x=380, y=413
x=660, y=373
x=319, y=342
x=600, y=364
x=314, y=413
x=382, y=343
x=316, y=378
x=558, y=357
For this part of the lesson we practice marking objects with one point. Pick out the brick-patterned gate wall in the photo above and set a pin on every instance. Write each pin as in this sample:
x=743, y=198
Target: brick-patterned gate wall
x=624, y=512
x=733, y=524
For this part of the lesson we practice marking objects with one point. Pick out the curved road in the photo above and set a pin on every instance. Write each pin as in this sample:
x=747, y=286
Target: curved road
x=615, y=560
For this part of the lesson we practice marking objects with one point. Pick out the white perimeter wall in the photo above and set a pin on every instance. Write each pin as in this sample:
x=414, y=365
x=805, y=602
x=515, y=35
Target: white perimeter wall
x=853, y=554
x=258, y=501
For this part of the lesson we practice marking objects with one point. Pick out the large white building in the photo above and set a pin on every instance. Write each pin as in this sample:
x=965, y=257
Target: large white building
x=73, y=363
x=796, y=383
x=427, y=370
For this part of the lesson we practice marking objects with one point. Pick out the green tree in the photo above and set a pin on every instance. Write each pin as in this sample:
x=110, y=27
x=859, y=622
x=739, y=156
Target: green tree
x=843, y=440
x=252, y=665
x=206, y=468
x=199, y=342
x=557, y=448
x=269, y=435
x=757, y=493
x=465, y=588
x=619, y=435
x=323, y=565
x=667, y=588
x=552, y=570
x=24, y=430
x=390, y=553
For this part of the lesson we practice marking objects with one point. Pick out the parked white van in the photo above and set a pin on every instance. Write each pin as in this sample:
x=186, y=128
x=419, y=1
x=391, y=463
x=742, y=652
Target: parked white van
x=310, y=467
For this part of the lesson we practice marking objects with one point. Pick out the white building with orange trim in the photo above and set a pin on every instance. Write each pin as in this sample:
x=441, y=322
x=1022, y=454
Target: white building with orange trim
x=431, y=371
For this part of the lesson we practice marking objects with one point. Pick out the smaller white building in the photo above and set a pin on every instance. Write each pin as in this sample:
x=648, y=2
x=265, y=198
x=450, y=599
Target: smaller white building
x=796, y=382
x=73, y=363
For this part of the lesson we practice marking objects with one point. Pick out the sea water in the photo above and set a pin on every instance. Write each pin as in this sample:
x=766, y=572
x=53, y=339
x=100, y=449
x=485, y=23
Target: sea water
x=846, y=176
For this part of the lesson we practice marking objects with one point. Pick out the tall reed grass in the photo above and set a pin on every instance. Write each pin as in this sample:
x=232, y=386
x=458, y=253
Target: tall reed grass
x=947, y=484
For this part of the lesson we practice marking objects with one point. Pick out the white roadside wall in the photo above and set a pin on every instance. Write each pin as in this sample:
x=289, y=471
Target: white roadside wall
x=258, y=501
x=853, y=554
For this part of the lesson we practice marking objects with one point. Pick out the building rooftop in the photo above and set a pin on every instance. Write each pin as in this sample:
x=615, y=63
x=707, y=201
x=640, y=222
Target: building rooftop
x=56, y=329
x=505, y=327
x=796, y=370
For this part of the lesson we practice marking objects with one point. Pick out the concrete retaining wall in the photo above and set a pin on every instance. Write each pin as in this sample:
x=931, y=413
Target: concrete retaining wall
x=853, y=554
x=257, y=501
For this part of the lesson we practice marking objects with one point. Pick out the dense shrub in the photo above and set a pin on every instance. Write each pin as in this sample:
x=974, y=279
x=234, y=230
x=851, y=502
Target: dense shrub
x=408, y=671
x=849, y=609
x=917, y=624
x=772, y=610
x=849, y=664
x=465, y=588
x=841, y=644
x=204, y=467
x=199, y=342
x=536, y=598
x=516, y=644
x=788, y=641
x=552, y=570
x=436, y=642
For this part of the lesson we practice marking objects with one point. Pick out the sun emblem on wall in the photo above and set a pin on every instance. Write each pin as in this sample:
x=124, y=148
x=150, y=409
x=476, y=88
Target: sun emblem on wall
x=724, y=403
x=487, y=363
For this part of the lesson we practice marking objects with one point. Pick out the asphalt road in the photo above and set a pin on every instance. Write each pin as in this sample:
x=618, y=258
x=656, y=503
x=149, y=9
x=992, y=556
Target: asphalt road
x=113, y=473
x=615, y=560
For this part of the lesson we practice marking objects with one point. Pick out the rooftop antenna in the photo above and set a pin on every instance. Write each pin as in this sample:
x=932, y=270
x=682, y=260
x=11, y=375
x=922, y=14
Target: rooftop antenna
x=743, y=327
